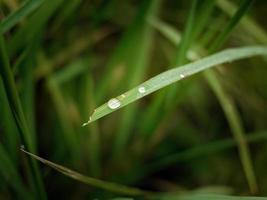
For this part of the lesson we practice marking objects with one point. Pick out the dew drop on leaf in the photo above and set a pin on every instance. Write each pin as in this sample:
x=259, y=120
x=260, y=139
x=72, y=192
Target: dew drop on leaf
x=114, y=103
x=142, y=89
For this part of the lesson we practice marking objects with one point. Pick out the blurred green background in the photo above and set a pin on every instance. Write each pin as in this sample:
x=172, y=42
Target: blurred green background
x=205, y=134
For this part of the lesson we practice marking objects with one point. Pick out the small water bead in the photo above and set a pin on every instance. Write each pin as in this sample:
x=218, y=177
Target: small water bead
x=142, y=89
x=182, y=76
x=114, y=103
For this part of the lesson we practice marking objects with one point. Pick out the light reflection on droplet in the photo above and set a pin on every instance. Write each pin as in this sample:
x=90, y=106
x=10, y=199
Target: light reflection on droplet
x=142, y=89
x=114, y=103
x=182, y=76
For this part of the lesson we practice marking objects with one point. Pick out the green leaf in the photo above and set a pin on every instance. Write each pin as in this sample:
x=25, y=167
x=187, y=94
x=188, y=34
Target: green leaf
x=184, y=46
x=228, y=106
x=171, y=76
x=226, y=102
x=18, y=114
x=33, y=25
x=248, y=24
x=26, y=8
x=140, y=38
x=245, y=5
x=109, y=186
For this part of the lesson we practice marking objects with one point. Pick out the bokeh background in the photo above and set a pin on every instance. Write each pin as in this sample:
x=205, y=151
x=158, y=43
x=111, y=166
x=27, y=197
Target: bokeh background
x=68, y=57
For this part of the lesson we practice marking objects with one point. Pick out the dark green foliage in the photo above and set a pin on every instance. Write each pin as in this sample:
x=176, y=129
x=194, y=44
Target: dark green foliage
x=193, y=133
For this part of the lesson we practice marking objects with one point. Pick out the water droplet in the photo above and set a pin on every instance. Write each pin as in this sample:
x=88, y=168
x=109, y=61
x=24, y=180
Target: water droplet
x=22, y=147
x=142, y=89
x=182, y=76
x=114, y=103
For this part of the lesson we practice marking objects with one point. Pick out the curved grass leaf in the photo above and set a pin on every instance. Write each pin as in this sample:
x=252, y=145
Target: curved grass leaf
x=26, y=8
x=112, y=187
x=136, y=62
x=92, y=141
x=33, y=25
x=219, y=41
x=236, y=127
x=171, y=76
x=69, y=136
x=18, y=114
x=181, y=58
x=248, y=24
x=226, y=102
x=187, y=35
x=131, y=191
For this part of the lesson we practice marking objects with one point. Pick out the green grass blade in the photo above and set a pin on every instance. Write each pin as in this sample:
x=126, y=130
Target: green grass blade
x=15, y=105
x=112, y=187
x=94, y=137
x=12, y=95
x=26, y=8
x=141, y=37
x=27, y=94
x=33, y=25
x=70, y=72
x=229, y=110
x=129, y=45
x=187, y=35
x=236, y=128
x=91, y=141
x=225, y=101
x=69, y=134
x=245, y=5
x=203, y=17
x=194, y=26
x=168, y=77
x=181, y=58
x=68, y=54
x=227, y=104
x=8, y=125
x=66, y=11
x=168, y=31
x=247, y=23
x=153, y=113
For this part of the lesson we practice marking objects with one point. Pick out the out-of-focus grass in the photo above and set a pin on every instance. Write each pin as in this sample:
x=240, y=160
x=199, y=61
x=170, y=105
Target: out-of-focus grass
x=62, y=59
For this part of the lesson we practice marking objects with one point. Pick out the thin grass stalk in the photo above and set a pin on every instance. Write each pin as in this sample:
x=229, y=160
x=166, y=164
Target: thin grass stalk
x=228, y=105
x=15, y=105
